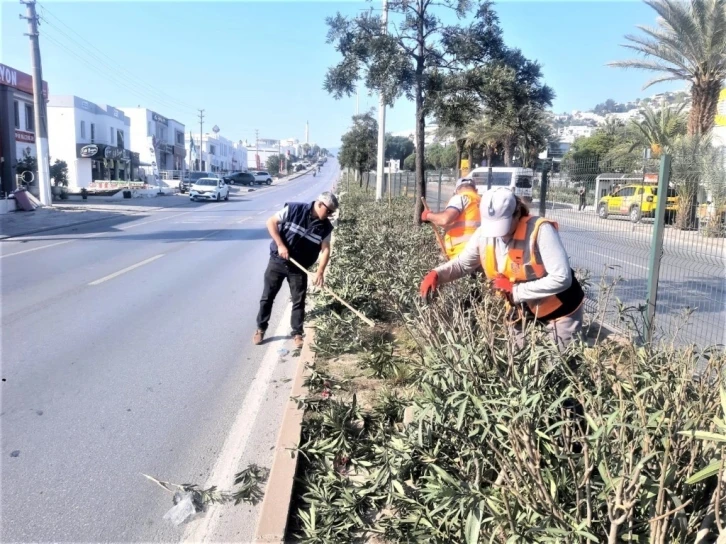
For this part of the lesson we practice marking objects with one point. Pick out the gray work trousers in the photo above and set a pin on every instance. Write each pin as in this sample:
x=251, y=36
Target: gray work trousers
x=562, y=331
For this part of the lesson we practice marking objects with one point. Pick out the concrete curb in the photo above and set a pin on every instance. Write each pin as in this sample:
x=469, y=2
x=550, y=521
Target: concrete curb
x=272, y=521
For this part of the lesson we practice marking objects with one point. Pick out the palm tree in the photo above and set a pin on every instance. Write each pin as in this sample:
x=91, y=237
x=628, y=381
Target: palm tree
x=688, y=153
x=458, y=134
x=534, y=133
x=612, y=126
x=689, y=44
x=484, y=132
x=657, y=130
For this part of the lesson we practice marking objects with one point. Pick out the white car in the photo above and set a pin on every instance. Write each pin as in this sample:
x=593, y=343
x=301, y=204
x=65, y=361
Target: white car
x=209, y=189
x=263, y=177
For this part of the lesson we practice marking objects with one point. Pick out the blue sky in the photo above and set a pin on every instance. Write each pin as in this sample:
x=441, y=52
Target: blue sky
x=261, y=65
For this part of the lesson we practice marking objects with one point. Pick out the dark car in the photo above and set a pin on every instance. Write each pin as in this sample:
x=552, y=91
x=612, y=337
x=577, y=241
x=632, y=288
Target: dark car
x=191, y=177
x=241, y=178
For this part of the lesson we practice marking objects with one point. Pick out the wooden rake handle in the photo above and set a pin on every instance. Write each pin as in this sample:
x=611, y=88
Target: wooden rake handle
x=439, y=239
x=327, y=290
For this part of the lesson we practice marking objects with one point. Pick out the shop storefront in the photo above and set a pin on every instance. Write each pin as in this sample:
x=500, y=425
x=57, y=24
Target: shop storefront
x=179, y=154
x=17, y=124
x=107, y=163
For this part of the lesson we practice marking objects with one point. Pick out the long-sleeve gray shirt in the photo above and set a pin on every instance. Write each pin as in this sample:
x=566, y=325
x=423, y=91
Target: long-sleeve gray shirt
x=554, y=259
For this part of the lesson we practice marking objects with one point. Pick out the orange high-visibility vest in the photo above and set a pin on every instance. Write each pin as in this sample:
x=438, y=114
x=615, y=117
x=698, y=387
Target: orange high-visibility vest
x=524, y=263
x=462, y=229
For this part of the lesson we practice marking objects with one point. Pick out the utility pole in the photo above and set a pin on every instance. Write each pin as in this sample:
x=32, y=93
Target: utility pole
x=279, y=157
x=257, y=149
x=201, y=138
x=381, y=123
x=39, y=114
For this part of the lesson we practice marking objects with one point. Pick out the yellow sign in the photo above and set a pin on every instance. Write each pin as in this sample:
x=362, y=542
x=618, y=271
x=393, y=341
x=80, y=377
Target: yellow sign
x=464, y=167
x=721, y=109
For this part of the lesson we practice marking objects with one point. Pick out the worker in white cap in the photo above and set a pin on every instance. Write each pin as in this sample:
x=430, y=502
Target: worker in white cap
x=460, y=218
x=523, y=257
x=301, y=231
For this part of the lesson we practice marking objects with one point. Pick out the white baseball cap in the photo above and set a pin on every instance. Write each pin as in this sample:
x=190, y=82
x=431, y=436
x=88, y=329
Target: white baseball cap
x=465, y=181
x=497, y=209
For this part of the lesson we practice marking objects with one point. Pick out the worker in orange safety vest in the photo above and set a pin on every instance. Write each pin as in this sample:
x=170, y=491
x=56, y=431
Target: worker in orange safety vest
x=460, y=219
x=524, y=259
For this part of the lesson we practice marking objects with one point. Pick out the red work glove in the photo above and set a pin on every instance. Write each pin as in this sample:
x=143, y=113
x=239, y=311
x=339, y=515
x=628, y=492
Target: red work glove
x=501, y=283
x=425, y=215
x=429, y=284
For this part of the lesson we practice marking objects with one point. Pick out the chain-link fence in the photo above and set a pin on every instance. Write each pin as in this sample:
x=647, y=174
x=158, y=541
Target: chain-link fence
x=439, y=185
x=605, y=211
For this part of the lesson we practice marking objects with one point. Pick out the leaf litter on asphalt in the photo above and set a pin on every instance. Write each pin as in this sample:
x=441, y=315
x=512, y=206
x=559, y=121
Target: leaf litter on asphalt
x=190, y=498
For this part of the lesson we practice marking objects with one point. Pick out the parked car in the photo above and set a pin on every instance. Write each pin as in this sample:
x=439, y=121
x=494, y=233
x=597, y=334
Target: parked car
x=519, y=180
x=209, y=189
x=637, y=201
x=299, y=167
x=191, y=177
x=241, y=178
x=263, y=177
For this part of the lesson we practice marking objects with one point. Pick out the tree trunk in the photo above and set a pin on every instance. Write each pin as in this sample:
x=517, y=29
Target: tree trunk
x=704, y=101
x=459, y=153
x=420, y=119
x=508, y=151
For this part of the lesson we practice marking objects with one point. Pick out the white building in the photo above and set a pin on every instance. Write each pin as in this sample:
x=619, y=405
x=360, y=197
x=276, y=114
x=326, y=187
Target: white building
x=93, y=139
x=264, y=148
x=430, y=136
x=625, y=116
x=569, y=133
x=158, y=140
x=219, y=154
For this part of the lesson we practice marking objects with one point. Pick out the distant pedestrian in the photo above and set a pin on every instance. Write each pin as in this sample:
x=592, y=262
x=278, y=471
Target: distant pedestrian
x=302, y=231
x=583, y=201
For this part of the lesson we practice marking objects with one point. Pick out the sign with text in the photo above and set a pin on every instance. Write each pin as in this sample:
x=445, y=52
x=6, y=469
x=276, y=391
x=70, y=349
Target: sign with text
x=26, y=137
x=159, y=118
x=19, y=80
x=101, y=151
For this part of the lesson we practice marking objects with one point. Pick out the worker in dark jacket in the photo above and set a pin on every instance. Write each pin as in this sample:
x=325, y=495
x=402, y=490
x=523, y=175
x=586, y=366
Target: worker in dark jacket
x=300, y=231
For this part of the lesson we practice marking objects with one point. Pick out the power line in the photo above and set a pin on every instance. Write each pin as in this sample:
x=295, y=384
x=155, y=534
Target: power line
x=108, y=75
x=162, y=96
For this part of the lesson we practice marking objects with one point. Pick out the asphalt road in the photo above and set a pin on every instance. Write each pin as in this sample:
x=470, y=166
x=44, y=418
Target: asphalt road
x=691, y=304
x=126, y=349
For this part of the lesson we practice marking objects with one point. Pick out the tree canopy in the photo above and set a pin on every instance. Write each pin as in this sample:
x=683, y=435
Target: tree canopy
x=359, y=144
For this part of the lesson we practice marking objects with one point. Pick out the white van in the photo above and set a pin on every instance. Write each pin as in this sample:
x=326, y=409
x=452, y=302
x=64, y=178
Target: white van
x=519, y=180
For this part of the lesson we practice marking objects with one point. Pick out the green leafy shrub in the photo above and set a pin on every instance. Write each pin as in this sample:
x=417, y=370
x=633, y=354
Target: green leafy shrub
x=506, y=444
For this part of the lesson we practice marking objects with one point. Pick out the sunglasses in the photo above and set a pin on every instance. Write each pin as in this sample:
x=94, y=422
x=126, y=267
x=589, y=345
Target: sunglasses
x=326, y=207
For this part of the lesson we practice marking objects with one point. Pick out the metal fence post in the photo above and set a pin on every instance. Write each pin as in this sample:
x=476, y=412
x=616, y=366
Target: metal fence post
x=438, y=198
x=543, y=191
x=656, y=247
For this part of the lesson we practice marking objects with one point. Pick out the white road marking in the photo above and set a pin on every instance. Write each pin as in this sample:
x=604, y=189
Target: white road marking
x=244, y=219
x=263, y=211
x=127, y=269
x=36, y=249
x=235, y=444
x=204, y=237
x=619, y=260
